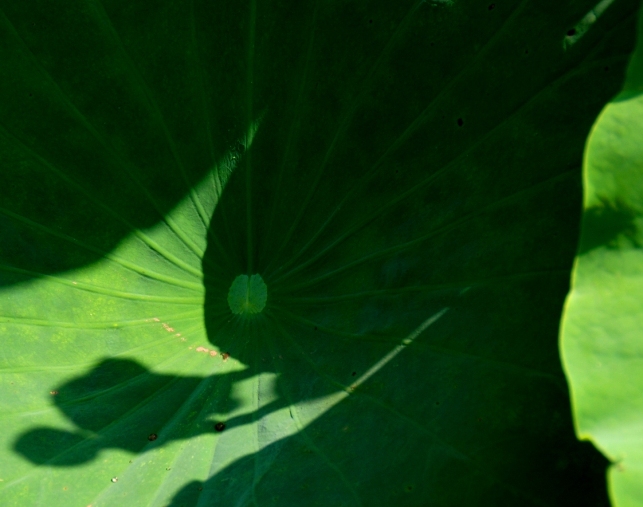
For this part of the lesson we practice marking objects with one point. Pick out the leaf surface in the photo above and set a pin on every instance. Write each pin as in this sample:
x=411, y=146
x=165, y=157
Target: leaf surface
x=402, y=176
x=600, y=335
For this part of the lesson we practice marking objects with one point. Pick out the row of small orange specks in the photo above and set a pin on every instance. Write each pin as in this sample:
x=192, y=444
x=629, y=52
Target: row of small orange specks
x=170, y=329
x=213, y=353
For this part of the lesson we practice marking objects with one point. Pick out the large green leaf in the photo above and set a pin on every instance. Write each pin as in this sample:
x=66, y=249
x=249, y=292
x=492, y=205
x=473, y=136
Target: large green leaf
x=402, y=176
x=601, y=332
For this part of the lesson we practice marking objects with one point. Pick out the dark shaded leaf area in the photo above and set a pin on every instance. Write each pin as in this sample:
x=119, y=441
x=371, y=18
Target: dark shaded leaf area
x=403, y=176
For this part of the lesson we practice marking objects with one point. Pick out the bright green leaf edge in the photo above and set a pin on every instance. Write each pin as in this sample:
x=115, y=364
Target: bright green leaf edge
x=601, y=334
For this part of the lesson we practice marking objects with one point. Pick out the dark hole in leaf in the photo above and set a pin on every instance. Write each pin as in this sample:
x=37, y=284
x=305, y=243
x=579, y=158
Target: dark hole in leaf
x=219, y=426
x=571, y=31
x=152, y=437
x=354, y=373
x=460, y=122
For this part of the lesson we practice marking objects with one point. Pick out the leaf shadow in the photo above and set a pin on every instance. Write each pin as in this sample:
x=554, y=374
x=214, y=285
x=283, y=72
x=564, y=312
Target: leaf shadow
x=120, y=404
x=608, y=225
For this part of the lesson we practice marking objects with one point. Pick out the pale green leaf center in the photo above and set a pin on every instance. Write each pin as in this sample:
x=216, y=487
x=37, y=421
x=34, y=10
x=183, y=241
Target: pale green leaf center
x=247, y=295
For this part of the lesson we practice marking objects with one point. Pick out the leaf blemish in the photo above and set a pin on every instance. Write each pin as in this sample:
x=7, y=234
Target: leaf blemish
x=219, y=426
x=151, y=437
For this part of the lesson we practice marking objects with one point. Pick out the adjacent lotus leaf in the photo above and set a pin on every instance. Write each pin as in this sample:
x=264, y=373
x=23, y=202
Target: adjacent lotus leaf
x=294, y=253
x=601, y=330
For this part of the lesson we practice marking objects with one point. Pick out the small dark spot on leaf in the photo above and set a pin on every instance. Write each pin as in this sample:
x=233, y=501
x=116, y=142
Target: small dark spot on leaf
x=152, y=436
x=315, y=328
x=526, y=51
x=200, y=489
x=571, y=31
x=460, y=122
x=168, y=469
x=432, y=44
x=370, y=20
x=409, y=488
x=219, y=426
x=479, y=419
x=65, y=488
x=437, y=402
x=354, y=373
x=130, y=461
x=492, y=7
x=53, y=393
x=607, y=68
x=225, y=356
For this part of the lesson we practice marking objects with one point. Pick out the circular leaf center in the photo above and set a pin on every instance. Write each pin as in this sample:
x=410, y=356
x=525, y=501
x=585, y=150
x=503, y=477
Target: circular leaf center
x=247, y=295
